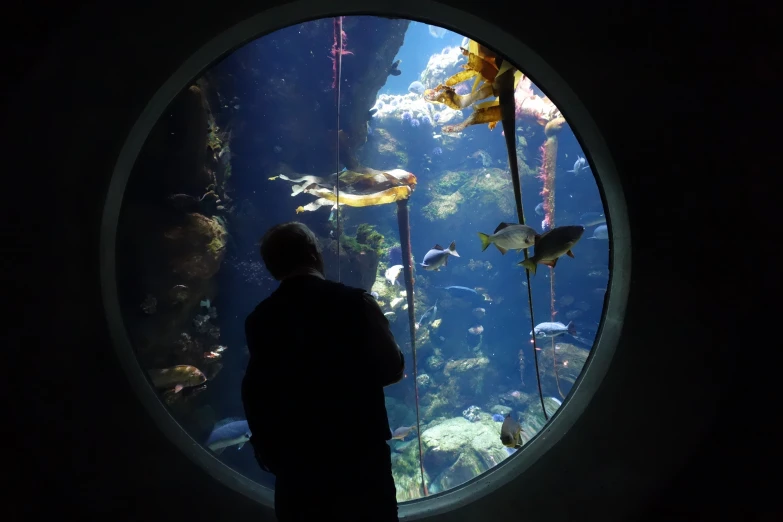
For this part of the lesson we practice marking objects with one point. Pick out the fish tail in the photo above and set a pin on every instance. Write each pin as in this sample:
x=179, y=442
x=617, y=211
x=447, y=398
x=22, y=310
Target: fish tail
x=453, y=249
x=571, y=328
x=485, y=241
x=529, y=265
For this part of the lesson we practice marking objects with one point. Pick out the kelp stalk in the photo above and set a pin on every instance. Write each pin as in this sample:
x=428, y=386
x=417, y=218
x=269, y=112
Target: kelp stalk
x=505, y=87
x=404, y=225
x=546, y=173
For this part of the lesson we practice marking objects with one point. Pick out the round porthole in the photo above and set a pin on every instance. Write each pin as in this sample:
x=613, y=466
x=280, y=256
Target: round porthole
x=235, y=143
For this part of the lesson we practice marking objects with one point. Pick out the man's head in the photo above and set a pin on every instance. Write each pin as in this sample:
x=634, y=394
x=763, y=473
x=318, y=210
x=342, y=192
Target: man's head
x=290, y=247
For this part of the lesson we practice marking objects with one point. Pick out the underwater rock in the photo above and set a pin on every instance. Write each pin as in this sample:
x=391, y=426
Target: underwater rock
x=484, y=191
x=458, y=450
x=465, y=365
x=570, y=361
x=442, y=66
x=471, y=413
x=499, y=409
x=195, y=246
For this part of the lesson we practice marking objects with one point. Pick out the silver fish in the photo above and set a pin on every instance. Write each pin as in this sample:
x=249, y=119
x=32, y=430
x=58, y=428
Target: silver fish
x=600, y=233
x=544, y=330
x=580, y=165
x=439, y=256
x=228, y=433
x=508, y=236
x=591, y=218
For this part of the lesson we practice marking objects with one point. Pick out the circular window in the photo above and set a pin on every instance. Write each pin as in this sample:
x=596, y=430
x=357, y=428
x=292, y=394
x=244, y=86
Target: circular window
x=400, y=144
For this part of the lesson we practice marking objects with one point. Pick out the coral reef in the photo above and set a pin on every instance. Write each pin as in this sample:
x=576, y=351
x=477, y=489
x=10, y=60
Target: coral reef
x=487, y=189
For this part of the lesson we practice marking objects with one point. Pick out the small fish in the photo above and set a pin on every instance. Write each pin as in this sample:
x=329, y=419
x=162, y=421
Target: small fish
x=439, y=256
x=393, y=70
x=590, y=219
x=552, y=245
x=600, y=232
x=206, y=303
x=540, y=209
x=458, y=289
x=511, y=432
x=476, y=330
x=375, y=295
x=580, y=165
x=392, y=274
x=497, y=417
x=431, y=312
x=508, y=236
x=544, y=330
x=397, y=301
x=479, y=313
x=177, y=377
x=401, y=433
x=228, y=432
x=545, y=225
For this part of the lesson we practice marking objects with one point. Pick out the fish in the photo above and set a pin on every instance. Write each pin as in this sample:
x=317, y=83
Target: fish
x=228, y=432
x=401, y=433
x=511, y=432
x=375, y=295
x=553, y=244
x=540, y=209
x=479, y=313
x=392, y=274
x=177, y=377
x=416, y=87
x=393, y=70
x=509, y=236
x=431, y=312
x=580, y=165
x=544, y=330
x=476, y=330
x=600, y=232
x=458, y=289
x=206, y=303
x=589, y=219
x=396, y=302
x=439, y=256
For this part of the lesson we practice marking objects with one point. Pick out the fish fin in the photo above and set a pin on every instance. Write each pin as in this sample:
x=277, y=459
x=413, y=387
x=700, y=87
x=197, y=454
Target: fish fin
x=178, y=388
x=529, y=265
x=453, y=249
x=502, y=250
x=571, y=328
x=437, y=247
x=218, y=451
x=501, y=226
x=569, y=171
x=485, y=241
x=446, y=261
x=239, y=446
x=551, y=263
x=570, y=254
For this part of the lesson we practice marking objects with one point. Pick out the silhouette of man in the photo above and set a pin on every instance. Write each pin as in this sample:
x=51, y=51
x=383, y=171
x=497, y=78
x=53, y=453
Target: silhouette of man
x=320, y=355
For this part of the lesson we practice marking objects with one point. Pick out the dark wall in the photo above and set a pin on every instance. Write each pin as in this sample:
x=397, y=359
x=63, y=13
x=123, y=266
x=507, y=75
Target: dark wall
x=676, y=407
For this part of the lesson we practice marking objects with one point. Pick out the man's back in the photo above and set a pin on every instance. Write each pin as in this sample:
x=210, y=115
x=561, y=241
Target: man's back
x=314, y=381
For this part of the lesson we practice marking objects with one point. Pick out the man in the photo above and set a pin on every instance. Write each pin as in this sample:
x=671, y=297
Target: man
x=320, y=355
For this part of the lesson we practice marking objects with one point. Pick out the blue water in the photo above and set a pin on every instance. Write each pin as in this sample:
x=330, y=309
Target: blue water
x=501, y=285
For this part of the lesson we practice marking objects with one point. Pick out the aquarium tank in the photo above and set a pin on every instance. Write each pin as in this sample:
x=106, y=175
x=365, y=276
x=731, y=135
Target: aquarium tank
x=437, y=176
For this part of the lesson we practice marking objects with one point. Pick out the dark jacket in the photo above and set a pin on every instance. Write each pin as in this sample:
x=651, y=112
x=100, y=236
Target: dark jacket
x=320, y=354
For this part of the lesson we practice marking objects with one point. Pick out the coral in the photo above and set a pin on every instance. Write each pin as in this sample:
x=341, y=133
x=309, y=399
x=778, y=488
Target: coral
x=482, y=188
x=441, y=66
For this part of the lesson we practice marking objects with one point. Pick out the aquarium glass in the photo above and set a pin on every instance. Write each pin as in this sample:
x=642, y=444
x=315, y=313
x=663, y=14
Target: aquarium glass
x=422, y=161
